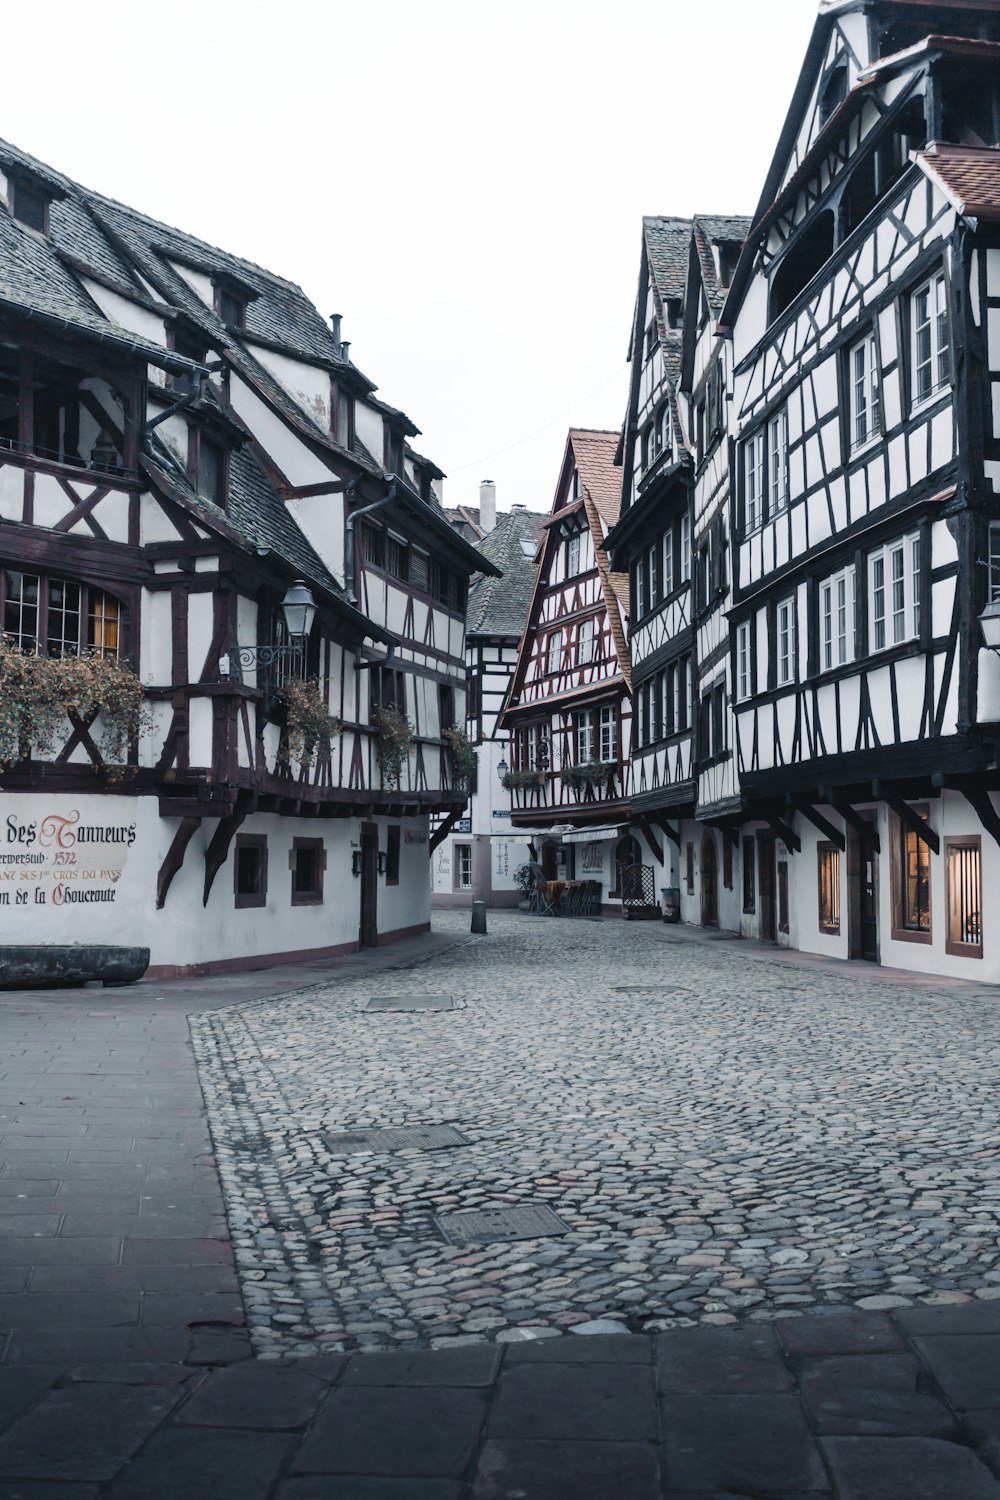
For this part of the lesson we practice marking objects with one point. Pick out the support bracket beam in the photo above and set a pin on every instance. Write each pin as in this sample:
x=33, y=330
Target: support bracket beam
x=218, y=850
x=914, y=822
x=174, y=857
x=440, y=834
x=786, y=833
x=823, y=824
x=862, y=826
x=655, y=847
x=673, y=834
x=982, y=806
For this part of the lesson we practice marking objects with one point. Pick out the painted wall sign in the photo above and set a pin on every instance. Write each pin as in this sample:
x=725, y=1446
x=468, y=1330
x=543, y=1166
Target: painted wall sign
x=58, y=860
x=464, y=825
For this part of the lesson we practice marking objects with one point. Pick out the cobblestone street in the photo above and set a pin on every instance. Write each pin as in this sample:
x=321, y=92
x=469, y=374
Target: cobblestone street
x=726, y=1134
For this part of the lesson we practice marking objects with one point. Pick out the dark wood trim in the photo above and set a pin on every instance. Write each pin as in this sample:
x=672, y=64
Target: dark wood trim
x=983, y=807
x=864, y=827
x=785, y=833
x=913, y=821
x=823, y=824
x=655, y=847
x=218, y=850
x=174, y=857
x=441, y=833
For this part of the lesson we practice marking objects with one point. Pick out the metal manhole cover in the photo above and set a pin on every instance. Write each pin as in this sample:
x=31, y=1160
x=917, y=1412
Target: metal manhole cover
x=528, y=1221
x=410, y=1002
x=395, y=1138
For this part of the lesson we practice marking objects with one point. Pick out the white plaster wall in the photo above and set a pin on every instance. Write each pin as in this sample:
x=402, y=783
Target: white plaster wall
x=320, y=518
x=368, y=427
x=308, y=386
x=127, y=314
x=199, y=283
x=291, y=455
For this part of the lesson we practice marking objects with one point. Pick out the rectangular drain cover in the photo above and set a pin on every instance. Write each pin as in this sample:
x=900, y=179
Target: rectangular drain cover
x=410, y=1002
x=648, y=989
x=395, y=1138
x=529, y=1221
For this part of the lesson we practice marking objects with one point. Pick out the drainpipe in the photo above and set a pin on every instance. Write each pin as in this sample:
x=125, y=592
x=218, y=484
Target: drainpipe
x=383, y=661
x=194, y=394
x=353, y=516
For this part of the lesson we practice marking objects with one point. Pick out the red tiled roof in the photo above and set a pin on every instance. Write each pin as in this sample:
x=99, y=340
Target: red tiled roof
x=950, y=46
x=594, y=452
x=969, y=175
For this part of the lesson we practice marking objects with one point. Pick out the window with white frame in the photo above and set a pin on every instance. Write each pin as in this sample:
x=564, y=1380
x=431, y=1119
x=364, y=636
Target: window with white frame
x=609, y=733
x=554, y=660
x=929, y=312
x=777, y=463
x=862, y=367
x=753, y=481
x=585, y=641
x=894, y=592
x=836, y=619
x=994, y=560
x=743, y=678
x=668, y=561
x=583, y=732
x=685, y=549
x=786, y=664
x=653, y=576
x=573, y=555
x=463, y=867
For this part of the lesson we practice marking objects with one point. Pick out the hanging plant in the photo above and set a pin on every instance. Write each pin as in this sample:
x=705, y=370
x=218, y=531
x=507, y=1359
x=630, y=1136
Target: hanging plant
x=593, y=773
x=39, y=693
x=309, y=725
x=517, y=780
x=462, y=756
x=395, y=737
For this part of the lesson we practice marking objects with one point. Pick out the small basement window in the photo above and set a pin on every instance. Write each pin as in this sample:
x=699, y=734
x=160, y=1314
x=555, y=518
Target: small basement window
x=250, y=870
x=307, y=862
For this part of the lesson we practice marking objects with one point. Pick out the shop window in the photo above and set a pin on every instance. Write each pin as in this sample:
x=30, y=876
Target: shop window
x=963, y=888
x=392, y=840
x=828, y=874
x=749, y=875
x=911, y=882
x=307, y=862
x=250, y=870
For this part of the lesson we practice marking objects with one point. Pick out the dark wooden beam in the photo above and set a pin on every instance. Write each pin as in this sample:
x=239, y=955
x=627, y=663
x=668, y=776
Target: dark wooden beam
x=218, y=850
x=823, y=824
x=863, y=826
x=786, y=833
x=655, y=847
x=440, y=834
x=983, y=807
x=673, y=834
x=174, y=857
x=914, y=822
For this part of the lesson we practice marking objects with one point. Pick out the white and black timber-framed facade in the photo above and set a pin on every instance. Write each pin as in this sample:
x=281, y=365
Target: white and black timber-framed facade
x=866, y=366
x=182, y=437
x=568, y=710
x=479, y=859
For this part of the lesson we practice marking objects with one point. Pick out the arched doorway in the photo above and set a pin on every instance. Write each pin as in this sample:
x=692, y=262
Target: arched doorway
x=628, y=867
x=709, y=883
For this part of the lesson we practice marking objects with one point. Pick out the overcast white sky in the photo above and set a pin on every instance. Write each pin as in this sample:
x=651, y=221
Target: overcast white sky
x=463, y=182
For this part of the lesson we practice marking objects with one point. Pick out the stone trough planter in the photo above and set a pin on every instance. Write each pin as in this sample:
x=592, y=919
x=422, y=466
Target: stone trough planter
x=43, y=965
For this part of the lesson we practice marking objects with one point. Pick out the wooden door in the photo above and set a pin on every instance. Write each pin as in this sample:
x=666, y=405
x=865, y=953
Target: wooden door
x=709, y=883
x=862, y=898
x=368, y=937
x=768, y=879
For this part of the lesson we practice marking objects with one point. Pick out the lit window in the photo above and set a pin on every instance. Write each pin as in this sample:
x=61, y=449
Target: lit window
x=103, y=623
x=894, y=586
x=836, y=616
x=62, y=620
x=911, y=881
x=828, y=857
x=864, y=401
x=930, y=338
x=964, y=896
x=743, y=661
x=786, y=664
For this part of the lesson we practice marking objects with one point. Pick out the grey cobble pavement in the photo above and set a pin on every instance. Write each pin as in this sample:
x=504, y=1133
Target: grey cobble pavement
x=727, y=1138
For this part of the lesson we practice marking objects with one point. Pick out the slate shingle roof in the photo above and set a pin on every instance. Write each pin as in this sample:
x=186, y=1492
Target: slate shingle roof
x=667, y=241
x=499, y=606
x=969, y=175
x=716, y=229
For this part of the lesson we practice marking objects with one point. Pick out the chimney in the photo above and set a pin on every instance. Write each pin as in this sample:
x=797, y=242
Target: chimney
x=335, y=329
x=487, y=506
x=345, y=351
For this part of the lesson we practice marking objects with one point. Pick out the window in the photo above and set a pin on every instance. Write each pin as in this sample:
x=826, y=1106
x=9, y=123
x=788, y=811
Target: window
x=232, y=308
x=836, y=619
x=786, y=642
x=573, y=555
x=307, y=862
x=668, y=562
x=420, y=570
x=68, y=413
x=554, y=652
x=749, y=875
x=685, y=548
x=390, y=688
x=609, y=733
x=753, y=481
x=583, y=736
x=994, y=544
x=446, y=706
x=28, y=205
x=463, y=867
x=783, y=923
x=211, y=470
x=743, y=679
x=862, y=366
x=894, y=586
x=828, y=860
x=392, y=854
x=777, y=462
x=718, y=718
x=585, y=641
x=689, y=868
x=911, y=882
x=372, y=545
x=58, y=616
x=929, y=312
x=250, y=870
x=653, y=595
x=397, y=558
x=343, y=414
x=963, y=886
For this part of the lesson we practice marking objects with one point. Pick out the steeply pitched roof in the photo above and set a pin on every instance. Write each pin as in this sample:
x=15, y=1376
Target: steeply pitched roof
x=716, y=229
x=594, y=452
x=968, y=175
x=499, y=606
x=667, y=251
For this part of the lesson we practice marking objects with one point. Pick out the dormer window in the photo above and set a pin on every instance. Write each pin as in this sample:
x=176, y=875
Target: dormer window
x=28, y=205
x=232, y=309
x=342, y=409
x=834, y=91
x=392, y=449
x=211, y=470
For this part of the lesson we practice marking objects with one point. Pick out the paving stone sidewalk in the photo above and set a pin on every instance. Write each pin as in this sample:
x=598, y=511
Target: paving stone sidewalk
x=127, y=1371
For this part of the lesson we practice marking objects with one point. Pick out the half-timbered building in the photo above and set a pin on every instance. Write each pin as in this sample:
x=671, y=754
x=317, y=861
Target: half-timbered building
x=182, y=439
x=480, y=858
x=568, y=710
x=865, y=327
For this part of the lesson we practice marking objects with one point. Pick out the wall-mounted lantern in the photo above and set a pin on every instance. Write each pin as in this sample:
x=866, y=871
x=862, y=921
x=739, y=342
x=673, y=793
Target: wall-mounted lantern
x=299, y=609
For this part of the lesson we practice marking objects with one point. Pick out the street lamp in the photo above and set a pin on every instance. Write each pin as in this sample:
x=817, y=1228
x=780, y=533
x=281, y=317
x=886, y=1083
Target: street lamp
x=502, y=768
x=989, y=624
x=299, y=609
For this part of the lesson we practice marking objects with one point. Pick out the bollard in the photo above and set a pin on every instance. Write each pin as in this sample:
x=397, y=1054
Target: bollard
x=478, y=916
